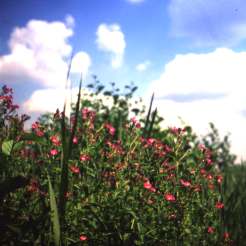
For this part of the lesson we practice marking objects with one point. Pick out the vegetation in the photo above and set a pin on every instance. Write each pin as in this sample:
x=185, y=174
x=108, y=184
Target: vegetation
x=102, y=177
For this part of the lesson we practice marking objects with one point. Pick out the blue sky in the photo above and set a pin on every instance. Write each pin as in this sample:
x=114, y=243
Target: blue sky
x=191, y=53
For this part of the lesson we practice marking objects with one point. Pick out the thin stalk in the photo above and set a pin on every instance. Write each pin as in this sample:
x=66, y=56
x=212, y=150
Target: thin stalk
x=148, y=116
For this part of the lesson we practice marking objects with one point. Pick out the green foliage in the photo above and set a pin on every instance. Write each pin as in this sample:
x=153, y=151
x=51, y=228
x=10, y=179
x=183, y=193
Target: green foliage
x=235, y=201
x=119, y=180
x=54, y=215
x=221, y=154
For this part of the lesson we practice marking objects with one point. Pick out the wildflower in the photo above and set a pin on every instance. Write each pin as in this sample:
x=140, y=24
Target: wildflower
x=75, y=169
x=219, y=205
x=85, y=113
x=169, y=197
x=54, y=152
x=150, y=141
x=135, y=122
x=219, y=179
x=110, y=128
x=33, y=186
x=185, y=183
x=83, y=238
x=209, y=176
x=209, y=162
x=39, y=133
x=226, y=235
x=203, y=172
x=149, y=186
x=210, y=230
x=201, y=147
x=35, y=125
x=84, y=157
x=75, y=140
x=54, y=139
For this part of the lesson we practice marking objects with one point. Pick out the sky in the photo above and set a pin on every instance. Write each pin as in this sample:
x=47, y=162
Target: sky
x=190, y=53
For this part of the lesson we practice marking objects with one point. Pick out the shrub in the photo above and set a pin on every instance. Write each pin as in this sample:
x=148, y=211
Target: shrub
x=113, y=184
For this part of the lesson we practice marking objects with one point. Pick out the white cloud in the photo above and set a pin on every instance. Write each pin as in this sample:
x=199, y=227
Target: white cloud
x=143, y=66
x=212, y=89
x=70, y=21
x=214, y=23
x=37, y=104
x=38, y=54
x=111, y=39
x=81, y=63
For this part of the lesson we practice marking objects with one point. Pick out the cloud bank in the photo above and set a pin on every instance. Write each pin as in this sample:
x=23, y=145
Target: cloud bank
x=203, y=88
x=39, y=54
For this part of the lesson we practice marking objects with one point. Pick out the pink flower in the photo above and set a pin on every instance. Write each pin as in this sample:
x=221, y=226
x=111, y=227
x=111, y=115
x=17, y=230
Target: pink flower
x=150, y=141
x=226, y=235
x=210, y=230
x=209, y=162
x=219, y=205
x=54, y=139
x=85, y=113
x=209, y=176
x=135, y=122
x=75, y=169
x=75, y=140
x=35, y=125
x=219, y=179
x=169, y=197
x=185, y=183
x=148, y=186
x=83, y=238
x=39, y=133
x=110, y=128
x=84, y=157
x=54, y=152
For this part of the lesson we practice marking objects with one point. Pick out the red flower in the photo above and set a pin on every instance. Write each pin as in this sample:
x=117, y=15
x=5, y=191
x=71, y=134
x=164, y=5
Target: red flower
x=219, y=205
x=54, y=152
x=226, y=235
x=84, y=157
x=169, y=197
x=148, y=186
x=210, y=230
x=135, y=122
x=39, y=133
x=150, y=141
x=75, y=140
x=83, y=238
x=185, y=183
x=110, y=128
x=54, y=139
x=219, y=179
x=75, y=169
x=35, y=125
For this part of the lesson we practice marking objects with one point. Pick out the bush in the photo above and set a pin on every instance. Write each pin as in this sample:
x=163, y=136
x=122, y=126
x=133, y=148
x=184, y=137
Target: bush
x=100, y=179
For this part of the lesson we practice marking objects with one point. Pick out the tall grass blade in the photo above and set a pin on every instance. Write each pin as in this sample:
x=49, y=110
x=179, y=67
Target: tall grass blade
x=152, y=123
x=54, y=216
x=64, y=158
x=148, y=116
x=75, y=119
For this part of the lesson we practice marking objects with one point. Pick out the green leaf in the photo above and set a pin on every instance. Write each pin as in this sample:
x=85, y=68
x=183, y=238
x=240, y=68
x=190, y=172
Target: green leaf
x=54, y=215
x=7, y=147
